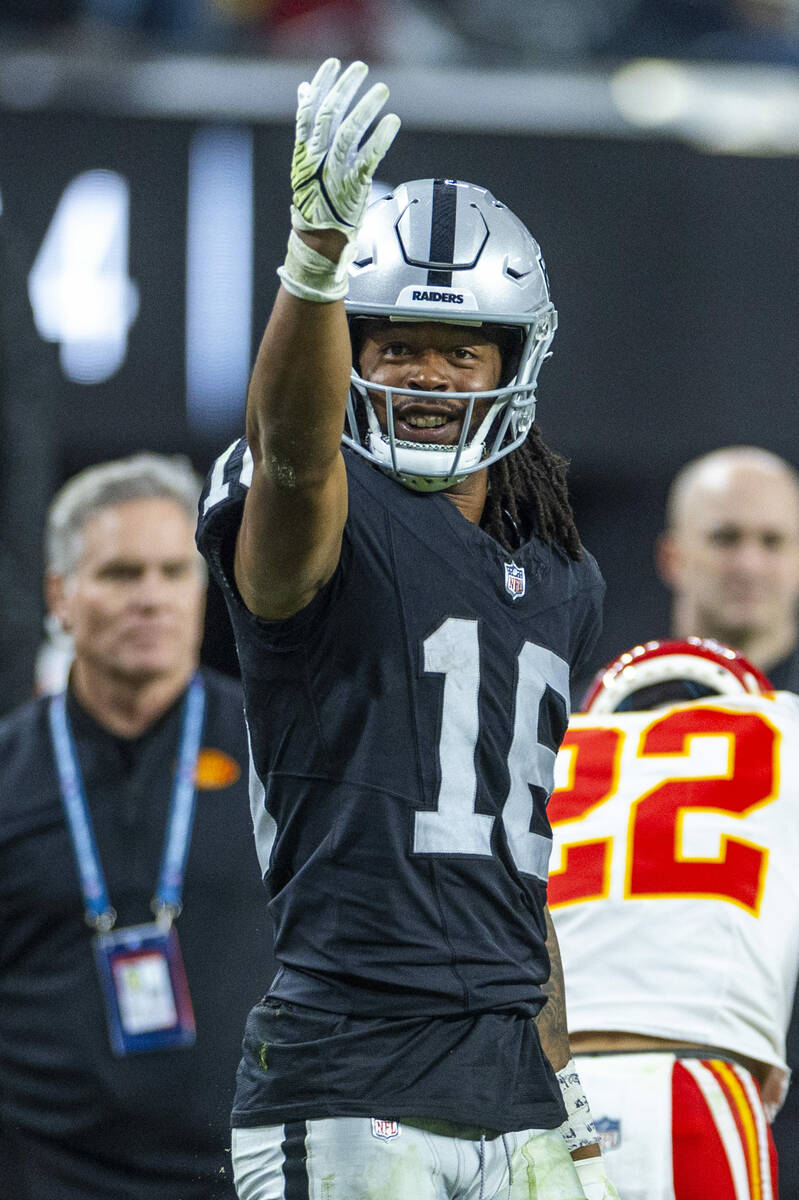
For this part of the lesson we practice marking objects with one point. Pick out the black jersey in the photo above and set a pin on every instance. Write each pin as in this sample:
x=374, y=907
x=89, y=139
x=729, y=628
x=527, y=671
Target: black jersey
x=82, y=1122
x=403, y=730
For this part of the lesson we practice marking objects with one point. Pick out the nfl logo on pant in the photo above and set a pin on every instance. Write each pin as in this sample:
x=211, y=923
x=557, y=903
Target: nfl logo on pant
x=385, y=1129
x=608, y=1132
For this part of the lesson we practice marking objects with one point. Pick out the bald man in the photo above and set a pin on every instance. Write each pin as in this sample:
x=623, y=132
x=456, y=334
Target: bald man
x=730, y=556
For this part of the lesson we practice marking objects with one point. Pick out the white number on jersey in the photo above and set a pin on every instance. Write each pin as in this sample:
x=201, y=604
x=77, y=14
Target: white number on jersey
x=454, y=827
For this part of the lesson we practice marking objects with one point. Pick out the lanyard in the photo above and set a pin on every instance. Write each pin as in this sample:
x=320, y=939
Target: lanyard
x=166, y=903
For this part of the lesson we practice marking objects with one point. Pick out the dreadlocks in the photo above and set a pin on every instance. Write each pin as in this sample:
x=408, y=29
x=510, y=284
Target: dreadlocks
x=527, y=494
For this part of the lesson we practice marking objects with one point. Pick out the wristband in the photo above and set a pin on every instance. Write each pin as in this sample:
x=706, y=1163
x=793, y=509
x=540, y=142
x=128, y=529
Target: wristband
x=578, y=1129
x=312, y=276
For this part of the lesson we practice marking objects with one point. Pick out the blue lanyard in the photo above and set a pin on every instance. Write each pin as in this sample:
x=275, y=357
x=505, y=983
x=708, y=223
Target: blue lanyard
x=167, y=900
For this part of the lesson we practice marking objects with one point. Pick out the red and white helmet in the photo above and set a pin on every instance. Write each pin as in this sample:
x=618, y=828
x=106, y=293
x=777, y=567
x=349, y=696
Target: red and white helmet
x=674, y=671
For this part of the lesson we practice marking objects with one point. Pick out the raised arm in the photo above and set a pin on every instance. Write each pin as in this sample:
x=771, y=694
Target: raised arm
x=290, y=536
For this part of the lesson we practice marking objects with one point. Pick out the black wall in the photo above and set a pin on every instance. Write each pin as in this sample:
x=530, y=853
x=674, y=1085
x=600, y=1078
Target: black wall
x=674, y=273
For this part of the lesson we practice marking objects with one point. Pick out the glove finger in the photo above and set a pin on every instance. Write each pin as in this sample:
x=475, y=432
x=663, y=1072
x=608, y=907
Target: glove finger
x=347, y=140
x=339, y=96
x=324, y=78
x=374, y=149
x=304, y=121
x=335, y=104
x=310, y=95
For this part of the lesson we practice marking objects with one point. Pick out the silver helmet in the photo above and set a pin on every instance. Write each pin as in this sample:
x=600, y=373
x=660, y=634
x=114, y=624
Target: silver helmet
x=444, y=250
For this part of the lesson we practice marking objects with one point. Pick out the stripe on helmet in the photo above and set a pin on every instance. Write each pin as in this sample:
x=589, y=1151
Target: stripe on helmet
x=442, y=230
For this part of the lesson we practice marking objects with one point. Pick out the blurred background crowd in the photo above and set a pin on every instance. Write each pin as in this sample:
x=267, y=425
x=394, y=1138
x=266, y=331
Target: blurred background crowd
x=503, y=32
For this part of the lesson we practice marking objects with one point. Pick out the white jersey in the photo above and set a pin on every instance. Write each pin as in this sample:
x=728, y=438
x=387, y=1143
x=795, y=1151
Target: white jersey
x=674, y=877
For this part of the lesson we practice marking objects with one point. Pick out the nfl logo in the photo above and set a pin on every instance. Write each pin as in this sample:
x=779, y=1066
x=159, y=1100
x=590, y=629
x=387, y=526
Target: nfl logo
x=608, y=1133
x=514, y=580
x=385, y=1129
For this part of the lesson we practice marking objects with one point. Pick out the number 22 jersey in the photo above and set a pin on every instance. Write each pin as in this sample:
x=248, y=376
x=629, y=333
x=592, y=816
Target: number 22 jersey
x=674, y=884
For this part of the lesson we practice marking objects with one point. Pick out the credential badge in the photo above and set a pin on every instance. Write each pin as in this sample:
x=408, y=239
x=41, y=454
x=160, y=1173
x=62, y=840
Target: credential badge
x=383, y=1128
x=515, y=582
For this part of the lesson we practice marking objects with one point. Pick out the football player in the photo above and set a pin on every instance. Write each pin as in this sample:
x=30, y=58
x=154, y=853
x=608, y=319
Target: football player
x=675, y=893
x=407, y=601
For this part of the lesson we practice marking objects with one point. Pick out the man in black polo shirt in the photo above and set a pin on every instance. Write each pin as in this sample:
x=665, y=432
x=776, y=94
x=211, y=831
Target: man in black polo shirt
x=132, y=919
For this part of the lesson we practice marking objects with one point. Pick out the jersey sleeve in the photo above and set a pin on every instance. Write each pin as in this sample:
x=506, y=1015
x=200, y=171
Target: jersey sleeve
x=220, y=514
x=588, y=619
x=220, y=510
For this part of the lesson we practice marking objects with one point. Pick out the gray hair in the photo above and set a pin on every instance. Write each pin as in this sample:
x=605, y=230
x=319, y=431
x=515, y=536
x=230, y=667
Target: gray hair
x=140, y=477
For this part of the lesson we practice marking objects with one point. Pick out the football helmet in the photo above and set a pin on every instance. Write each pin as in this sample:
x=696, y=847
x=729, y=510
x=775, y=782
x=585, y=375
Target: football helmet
x=669, y=672
x=444, y=250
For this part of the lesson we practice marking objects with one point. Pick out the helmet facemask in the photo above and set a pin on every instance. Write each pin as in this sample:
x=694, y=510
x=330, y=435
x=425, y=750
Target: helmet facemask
x=489, y=274
x=507, y=421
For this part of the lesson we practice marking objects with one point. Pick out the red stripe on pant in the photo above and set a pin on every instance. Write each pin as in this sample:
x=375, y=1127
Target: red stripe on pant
x=700, y=1164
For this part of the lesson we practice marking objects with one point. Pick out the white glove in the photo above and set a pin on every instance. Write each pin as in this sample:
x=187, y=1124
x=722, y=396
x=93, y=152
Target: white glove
x=596, y=1184
x=331, y=173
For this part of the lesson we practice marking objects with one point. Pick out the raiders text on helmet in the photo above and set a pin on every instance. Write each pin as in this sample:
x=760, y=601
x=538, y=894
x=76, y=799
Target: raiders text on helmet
x=443, y=250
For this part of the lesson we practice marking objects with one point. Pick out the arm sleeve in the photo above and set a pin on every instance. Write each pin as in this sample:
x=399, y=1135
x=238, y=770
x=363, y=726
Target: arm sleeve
x=588, y=626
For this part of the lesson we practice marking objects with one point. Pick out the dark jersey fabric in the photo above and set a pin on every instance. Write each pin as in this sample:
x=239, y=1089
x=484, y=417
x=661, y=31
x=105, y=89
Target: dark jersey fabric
x=396, y=688
x=81, y=1123
x=784, y=675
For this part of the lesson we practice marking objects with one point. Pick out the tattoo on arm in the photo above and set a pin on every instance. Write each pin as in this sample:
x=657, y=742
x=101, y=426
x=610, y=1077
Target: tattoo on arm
x=551, y=1020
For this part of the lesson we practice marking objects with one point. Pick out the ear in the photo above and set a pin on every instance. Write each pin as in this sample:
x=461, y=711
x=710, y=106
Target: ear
x=55, y=594
x=667, y=559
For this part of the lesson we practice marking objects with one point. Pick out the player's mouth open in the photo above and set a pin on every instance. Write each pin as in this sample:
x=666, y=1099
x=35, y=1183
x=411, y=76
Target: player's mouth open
x=426, y=422
x=412, y=423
